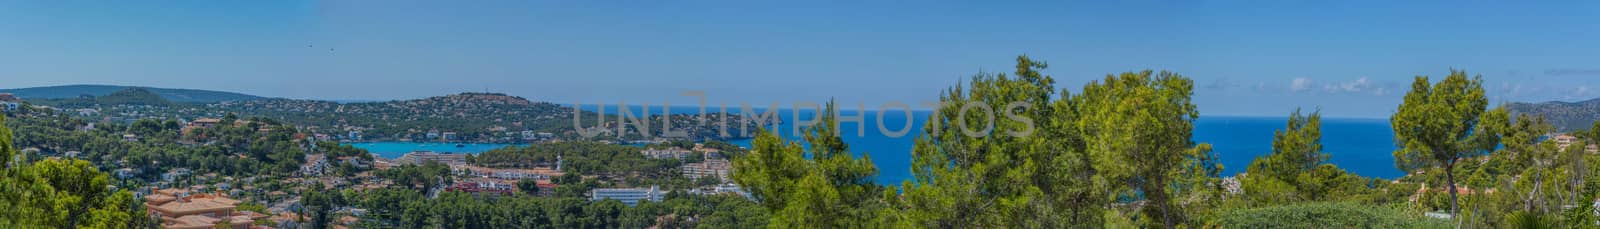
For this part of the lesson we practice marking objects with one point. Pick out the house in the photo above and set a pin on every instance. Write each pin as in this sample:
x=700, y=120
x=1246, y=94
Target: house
x=9, y=106
x=174, y=174
x=315, y=165
x=9, y=102
x=125, y=173
x=130, y=137
x=1564, y=140
x=674, y=152
x=482, y=186
x=447, y=136
x=719, y=168
x=354, y=136
x=508, y=174
x=353, y=161
x=546, y=188
x=628, y=196
x=322, y=137
x=204, y=123
x=180, y=208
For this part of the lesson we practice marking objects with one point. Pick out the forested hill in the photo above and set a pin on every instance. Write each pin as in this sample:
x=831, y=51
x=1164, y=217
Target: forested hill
x=1566, y=116
x=465, y=117
x=171, y=94
x=476, y=117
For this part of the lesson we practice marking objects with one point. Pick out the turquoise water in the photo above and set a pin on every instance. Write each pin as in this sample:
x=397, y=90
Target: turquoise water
x=397, y=149
x=1361, y=146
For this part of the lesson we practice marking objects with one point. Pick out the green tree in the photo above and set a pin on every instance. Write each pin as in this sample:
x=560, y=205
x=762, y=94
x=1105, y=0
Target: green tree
x=1295, y=149
x=528, y=186
x=1295, y=170
x=1138, y=128
x=831, y=189
x=1025, y=158
x=1439, y=124
x=58, y=193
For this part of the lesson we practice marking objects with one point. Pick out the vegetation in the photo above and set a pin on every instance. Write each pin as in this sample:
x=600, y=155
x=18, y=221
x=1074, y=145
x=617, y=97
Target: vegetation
x=152, y=147
x=1117, y=154
x=579, y=157
x=399, y=208
x=1326, y=215
x=1441, y=124
x=60, y=193
x=830, y=189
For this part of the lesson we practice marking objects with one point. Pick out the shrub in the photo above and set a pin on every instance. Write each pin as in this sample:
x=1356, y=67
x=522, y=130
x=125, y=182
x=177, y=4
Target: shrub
x=1326, y=215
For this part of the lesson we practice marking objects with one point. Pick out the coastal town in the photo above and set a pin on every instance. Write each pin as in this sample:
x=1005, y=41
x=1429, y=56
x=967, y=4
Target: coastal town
x=178, y=196
x=187, y=166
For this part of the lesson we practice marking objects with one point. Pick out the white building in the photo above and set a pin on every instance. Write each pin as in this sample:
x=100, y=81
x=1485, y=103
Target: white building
x=674, y=152
x=174, y=174
x=125, y=173
x=629, y=196
x=719, y=168
x=315, y=164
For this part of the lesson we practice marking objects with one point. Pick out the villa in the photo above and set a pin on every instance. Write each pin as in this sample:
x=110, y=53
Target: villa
x=179, y=208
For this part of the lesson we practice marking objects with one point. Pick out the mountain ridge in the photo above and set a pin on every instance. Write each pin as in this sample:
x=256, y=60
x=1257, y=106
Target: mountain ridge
x=1565, y=116
x=96, y=90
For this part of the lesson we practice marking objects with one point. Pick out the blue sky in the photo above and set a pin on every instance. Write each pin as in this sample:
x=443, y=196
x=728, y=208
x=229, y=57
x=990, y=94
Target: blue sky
x=1263, y=58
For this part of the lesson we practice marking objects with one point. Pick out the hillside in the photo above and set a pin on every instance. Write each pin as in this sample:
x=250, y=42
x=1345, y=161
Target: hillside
x=1566, y=116
x=129, y=96
x=475, y=117
x=170, y=94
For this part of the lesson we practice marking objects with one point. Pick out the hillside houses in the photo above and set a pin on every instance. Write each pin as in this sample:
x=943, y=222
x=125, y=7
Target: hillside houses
x=719, y=168
x=1565, y=140
x=673, y=153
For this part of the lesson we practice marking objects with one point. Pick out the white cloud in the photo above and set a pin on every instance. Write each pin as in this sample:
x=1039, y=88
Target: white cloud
x=1361, y=85
x=1300, y=84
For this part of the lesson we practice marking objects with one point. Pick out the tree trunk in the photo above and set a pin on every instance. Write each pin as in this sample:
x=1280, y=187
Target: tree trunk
x=1450, y=180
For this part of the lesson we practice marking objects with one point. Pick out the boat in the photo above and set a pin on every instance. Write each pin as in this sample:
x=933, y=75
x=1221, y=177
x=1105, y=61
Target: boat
x=458, y=145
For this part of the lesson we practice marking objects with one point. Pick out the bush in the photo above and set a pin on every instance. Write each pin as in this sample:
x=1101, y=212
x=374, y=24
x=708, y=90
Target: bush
x=1326, y=215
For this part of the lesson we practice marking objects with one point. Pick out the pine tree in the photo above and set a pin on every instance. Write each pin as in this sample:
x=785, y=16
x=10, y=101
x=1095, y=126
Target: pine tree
x=1437, y=125
x=832, y=189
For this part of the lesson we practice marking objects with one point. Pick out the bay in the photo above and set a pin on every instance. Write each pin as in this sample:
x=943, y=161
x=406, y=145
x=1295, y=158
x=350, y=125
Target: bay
x=1360, y=146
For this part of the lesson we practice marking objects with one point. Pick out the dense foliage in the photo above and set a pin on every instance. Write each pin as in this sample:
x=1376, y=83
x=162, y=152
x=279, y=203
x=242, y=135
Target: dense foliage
x=1326, y=215
x=151, y=147
x=579, y=157
x=400, y=208
x=830, y=189
x=60, y=193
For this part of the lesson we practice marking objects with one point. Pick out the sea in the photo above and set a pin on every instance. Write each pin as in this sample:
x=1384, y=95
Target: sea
x=1361, y=146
